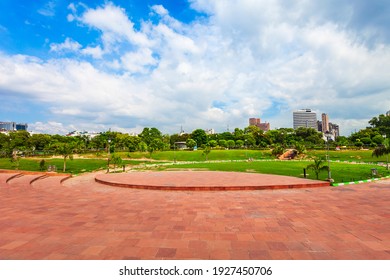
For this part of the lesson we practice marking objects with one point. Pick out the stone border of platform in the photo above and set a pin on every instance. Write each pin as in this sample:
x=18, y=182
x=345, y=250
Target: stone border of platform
x=205, y=181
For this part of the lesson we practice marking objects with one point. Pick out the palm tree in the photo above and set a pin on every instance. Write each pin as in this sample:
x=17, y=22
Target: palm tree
x=318, y=166
x=383, y=150
x=66, y=151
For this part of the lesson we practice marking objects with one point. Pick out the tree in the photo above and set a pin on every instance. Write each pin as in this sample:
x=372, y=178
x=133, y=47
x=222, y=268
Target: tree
x=230, y=143
x=213, y=143
x=15, y=159
x=116, y=160
x=382, y=123
x=38, y=141
x=142, y=147
x=200, y=137
x=206, y=152
x=190, y=143
x=66, y=151
x=301, y=149
x=318, y=166
x=222, y=143
x=277, y=151
x=383, y=149
x=155, y=145
x=148, y=134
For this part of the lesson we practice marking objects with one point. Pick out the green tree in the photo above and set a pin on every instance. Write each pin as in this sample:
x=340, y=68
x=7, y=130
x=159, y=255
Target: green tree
x=240, y=143
x=15, y=159
x=382, y=124
x=66, y=150
x=277, y=150
x=38, y=141
x=155, y=145
x=148, y=134
x=213, y=143
x=190, y=143
x=19, y=140
x=116, y=160
x=381, y=150
x=200, y=137
x=378, y=139
x=222, y=143
x=318, y=166
x=142, y=146
x=206, y=152
x=230, y=143
x=301, y=148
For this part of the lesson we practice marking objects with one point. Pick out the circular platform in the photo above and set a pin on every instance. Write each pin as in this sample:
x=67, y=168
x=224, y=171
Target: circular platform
x=205, y=181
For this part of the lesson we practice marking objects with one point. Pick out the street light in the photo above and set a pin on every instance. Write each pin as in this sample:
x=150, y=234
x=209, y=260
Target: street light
x=328, y=135
x=174, y=152
x=386, y=143
x=108, y=156
x=246, y=149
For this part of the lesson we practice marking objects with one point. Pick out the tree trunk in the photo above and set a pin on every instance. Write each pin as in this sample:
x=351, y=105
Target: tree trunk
x=63, y=170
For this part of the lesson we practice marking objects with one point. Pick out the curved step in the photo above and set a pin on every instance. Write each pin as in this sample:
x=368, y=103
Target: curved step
x=6, y=177
x=49, y=181
x=24, y=180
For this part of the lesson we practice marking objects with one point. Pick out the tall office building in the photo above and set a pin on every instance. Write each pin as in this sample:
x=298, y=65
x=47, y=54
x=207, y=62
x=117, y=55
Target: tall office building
x=325, y=123
x=7, y=126
x=12, y=126
x=305, y=118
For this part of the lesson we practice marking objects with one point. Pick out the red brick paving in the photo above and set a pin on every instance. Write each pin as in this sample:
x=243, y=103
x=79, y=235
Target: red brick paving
x=205, y=180
x=82, y=219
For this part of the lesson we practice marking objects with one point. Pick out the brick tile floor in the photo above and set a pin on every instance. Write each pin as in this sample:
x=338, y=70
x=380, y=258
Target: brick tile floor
x=82, y=219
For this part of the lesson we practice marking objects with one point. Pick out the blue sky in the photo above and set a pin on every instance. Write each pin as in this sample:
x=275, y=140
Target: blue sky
x=127, y=64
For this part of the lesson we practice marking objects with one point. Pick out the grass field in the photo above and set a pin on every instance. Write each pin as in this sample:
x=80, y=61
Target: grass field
x=75, y=166
x=342, y=155
x=341, y=172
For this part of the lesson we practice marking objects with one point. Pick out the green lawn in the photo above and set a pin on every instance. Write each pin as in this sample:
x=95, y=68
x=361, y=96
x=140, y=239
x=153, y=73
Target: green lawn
x=341, y=172
x=75, y=166
x=343, y=155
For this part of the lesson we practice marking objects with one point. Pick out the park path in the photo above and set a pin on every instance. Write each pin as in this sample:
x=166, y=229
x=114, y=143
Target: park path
x=82, y=219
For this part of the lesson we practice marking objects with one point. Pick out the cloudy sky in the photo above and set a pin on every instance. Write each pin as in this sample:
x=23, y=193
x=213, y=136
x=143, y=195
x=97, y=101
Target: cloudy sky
x=129, y=64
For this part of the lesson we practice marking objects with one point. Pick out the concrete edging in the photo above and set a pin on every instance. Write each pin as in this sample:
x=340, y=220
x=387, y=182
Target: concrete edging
x=359, y=182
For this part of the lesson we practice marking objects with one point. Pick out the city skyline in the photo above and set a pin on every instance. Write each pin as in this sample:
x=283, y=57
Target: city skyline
x=125, y=65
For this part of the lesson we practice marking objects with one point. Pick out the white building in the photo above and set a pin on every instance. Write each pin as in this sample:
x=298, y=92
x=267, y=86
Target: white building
x=305, y=118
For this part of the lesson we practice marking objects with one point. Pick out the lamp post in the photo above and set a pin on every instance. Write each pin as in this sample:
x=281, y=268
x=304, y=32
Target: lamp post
x=108, y=156
x=327, y=135
x=386, y=143
x=246, y=149
x=174, y=152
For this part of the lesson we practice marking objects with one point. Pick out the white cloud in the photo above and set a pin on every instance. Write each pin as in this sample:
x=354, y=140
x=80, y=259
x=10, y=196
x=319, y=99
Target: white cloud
x=159, y=9
x=48, y=10
x=51, y=127
x=247, y=59
x=95, y=52
x=69, y=45
x=138, y=61
x=114, y=24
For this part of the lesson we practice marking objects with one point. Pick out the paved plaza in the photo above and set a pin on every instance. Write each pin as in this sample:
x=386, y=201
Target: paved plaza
x=80, y=218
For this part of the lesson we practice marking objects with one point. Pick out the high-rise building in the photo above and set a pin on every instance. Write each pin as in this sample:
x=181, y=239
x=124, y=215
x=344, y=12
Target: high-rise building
x=334, y=129
x=325, y=123
x=257, y=122
x=12, y=126
x=388, y=113
x=305, y=118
